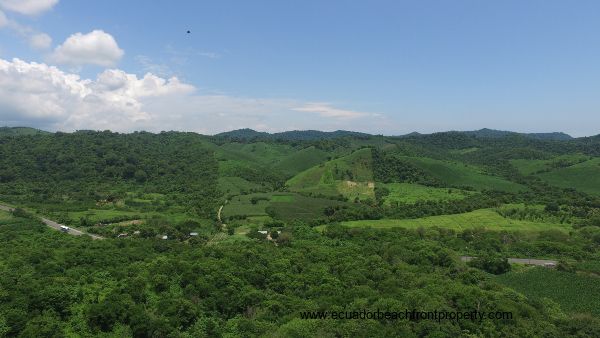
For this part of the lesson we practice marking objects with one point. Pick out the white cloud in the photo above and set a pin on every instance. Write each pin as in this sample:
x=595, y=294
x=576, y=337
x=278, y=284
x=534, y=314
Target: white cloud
x=3, y=19
x=327, y=110
x=97, y=48
x=40, y=41
x=43, y=96
x=28, y=7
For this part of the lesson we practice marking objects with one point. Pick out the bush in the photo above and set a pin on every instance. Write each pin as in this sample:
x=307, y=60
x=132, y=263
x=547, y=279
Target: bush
x=492, y=264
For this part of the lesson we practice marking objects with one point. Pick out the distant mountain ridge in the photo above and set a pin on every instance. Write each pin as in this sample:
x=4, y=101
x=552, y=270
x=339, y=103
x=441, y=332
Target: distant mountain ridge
x=294, y=135
x=247, y=134
x=493, y=133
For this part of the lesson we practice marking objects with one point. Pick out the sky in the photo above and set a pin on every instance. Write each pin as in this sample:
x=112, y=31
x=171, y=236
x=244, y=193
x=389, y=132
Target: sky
x=382, y=67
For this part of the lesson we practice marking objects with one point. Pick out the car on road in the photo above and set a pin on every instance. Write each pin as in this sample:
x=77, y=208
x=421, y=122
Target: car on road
x=64, y=228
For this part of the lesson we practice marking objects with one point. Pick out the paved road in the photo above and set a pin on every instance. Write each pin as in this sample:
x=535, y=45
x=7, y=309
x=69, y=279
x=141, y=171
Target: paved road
x=526, y=261
x=57, y=226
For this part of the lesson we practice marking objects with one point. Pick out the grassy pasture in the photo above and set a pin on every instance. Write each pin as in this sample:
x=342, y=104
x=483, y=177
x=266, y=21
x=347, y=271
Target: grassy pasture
x=484, y=218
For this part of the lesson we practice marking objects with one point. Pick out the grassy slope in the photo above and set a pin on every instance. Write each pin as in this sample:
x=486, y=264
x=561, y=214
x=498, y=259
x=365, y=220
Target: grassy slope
x=321, y=178
x=459, y=174
x=575, y=293
x=486, y=218
x=411, y=193
x=301, y=160
x=529, y=167
x=582, y=176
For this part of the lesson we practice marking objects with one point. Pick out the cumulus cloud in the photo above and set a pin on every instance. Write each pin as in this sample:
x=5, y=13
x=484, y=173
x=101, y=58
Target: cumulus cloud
x=28, y=7
x=97, y=48
x=43, y=96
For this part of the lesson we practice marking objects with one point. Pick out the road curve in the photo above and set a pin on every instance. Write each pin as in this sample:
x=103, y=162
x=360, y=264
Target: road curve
x=57, y=226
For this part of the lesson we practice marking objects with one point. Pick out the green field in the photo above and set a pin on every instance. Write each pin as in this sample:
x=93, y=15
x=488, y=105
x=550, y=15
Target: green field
x=302, y=207
x=301, y=160
x=574, y=293
x=242, y=205
x=582, y=176
x=235, y=185
x=411, y=193
x=485, y=218
x=460, y=174
x=529, y=167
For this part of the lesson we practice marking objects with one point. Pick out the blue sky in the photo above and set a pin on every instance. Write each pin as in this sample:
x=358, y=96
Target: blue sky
x=388, y=67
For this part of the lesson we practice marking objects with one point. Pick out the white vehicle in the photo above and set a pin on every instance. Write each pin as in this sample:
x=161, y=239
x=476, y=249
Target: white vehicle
x=64, y=228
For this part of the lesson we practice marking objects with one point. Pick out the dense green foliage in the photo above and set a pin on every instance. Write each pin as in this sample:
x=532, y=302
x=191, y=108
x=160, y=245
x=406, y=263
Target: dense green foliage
x=86, y=167
x=54, y=285
x=235, y=235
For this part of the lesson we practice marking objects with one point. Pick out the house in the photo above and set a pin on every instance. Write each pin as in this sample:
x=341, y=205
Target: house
x=263, y=232
x=193, y=234
x=122, y=235
x=165, y=237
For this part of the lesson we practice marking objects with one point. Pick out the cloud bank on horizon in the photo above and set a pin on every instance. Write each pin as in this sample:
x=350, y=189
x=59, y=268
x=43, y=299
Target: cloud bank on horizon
x=44, y=96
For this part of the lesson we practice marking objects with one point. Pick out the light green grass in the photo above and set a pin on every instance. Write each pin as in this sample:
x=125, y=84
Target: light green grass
x=5, y=215
x=282, y=198
x=584, y=177
x=460, y=174
x=411, y=193
x=574, y=293
x=242, y=205
x=484, y=218
x=301, y=160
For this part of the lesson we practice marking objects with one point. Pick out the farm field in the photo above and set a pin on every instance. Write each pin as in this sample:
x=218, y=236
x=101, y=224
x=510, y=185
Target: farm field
x=574, y=293
x=411, y=193
x=485, y=218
